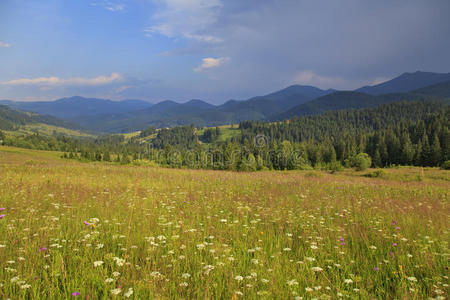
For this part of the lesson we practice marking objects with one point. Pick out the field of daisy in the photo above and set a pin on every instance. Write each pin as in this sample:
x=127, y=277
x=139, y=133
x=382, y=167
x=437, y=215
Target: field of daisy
x=100, y=231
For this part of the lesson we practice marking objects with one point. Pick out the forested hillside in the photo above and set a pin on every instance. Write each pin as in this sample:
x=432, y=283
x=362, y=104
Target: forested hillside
x=11, y=119
x=348, y=100
x=402, y=133
x=415, y=133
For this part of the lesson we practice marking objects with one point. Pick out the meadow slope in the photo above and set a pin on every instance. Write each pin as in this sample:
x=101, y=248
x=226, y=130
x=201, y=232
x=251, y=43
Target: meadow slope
x=100, y=231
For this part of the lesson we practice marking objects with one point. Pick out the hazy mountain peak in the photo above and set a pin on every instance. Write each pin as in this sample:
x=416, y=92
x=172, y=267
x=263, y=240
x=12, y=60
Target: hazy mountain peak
x=299, y=90
x=198, y=103
x=406, y=82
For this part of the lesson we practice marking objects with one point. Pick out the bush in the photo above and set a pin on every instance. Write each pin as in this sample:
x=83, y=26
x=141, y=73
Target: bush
x=376, y=174
x=335, y=166
x=248, y=164
x=361, y=162
x=446, y=165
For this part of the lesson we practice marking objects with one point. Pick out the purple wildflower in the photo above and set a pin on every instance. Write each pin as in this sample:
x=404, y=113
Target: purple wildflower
x=74, y=294
x=42, y=249
x=2, y=216
x=395, y=244
x=2, y=208
x=87, y=223
x=376, y=269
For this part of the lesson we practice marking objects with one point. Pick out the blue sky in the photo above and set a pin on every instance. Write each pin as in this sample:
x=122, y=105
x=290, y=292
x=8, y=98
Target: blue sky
x=213, y=49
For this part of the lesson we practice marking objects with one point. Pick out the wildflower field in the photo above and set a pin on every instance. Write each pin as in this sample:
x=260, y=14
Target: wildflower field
x=100, y=231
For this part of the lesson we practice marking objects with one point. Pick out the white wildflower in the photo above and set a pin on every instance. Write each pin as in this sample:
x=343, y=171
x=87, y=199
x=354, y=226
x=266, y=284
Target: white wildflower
x=129, y=293
x=98, y=263
x=292, y=282
x=116, y=291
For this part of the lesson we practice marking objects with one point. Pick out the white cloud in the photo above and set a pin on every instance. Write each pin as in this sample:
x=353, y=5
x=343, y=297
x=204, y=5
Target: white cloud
x=4, y=45
x=204, y=38
x=122, y=88
x=190, y=19
x=308, y=77
x=110, y=5
x=210, y=62
x=379, y=80
x=47, y=82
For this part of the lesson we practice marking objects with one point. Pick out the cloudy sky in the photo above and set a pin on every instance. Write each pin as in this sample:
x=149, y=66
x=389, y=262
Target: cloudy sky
x=213, y=49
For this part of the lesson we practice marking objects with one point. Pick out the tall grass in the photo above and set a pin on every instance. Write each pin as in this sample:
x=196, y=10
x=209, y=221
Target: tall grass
x=98, y=231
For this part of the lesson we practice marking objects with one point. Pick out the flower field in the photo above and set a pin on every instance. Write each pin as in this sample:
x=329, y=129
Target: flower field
x=100, y=231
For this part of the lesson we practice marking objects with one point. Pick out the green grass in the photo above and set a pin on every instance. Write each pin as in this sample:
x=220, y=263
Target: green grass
x=130, y=135
x=196, y=234
x=226, y=132
x=405, y=174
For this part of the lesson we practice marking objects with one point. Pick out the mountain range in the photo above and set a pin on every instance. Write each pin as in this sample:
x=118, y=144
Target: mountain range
x=405, y=83
x=78, y=106
x=108, y=116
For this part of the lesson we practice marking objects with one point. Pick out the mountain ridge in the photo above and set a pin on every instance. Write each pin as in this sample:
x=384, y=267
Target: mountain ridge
x=406, y=82
x=69, y=107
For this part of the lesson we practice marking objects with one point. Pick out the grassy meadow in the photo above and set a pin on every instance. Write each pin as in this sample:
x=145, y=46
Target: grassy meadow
x=48, y=130
x=99, y=231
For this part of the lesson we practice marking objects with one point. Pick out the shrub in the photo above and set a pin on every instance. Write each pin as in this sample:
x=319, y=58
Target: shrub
x=335, y=166
x=376, y=174
x=361, y=162
x=446, y=165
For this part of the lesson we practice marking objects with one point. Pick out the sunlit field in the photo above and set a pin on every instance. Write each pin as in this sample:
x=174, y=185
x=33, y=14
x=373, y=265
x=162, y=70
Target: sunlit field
x=98, y=231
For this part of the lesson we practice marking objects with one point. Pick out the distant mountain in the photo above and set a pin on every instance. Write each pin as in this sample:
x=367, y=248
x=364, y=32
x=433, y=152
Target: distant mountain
x=347, y=100
x=263, y=106
x=198, y=112
x=78, y=106
x=298, y=90
x=406, y=82
x=200, y=104
x=163, y=114
x=12, y=119
x=260, y=107
x=437, y=90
